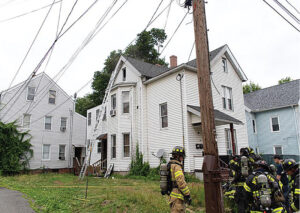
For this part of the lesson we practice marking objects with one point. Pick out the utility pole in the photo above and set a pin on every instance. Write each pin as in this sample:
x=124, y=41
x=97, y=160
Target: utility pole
x=211, y=167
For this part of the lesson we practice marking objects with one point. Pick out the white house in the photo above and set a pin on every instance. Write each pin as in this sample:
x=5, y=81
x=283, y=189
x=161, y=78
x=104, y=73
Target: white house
x=42, y=107
x=157, y=107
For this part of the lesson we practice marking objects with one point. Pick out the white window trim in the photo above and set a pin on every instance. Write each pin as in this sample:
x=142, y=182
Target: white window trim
x=27, y=93
x=111, y=142
x=125, y=113
x=226, y=65
x=128, y=133
x=111, y=102
x=271, y=125
x=43, y=152
x=66, y=123
x=54, y=98
x=255, y=126
x=45, y=123
x=225, y=88
x=64, y=152
x=98, y=147
x=29, y=122
x=275, y=146
x=160, y=117
x=124, y=69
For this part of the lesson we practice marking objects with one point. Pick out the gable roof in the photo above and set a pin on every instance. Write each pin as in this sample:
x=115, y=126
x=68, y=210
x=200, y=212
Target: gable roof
x=278, y=96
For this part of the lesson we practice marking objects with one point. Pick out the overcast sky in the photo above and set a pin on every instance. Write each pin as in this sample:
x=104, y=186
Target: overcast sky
x=266, y=47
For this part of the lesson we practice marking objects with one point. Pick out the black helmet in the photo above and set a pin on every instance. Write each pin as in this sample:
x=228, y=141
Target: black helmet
x=244, y=151
x=263, y=164
x=178, y=150
x=289, y=164
x=250, y=150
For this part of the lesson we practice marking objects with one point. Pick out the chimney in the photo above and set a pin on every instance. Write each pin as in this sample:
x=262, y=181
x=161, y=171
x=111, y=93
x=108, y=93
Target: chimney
x=173, y=61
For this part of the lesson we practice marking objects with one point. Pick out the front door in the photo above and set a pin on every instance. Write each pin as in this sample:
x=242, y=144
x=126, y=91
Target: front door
x=104, y=152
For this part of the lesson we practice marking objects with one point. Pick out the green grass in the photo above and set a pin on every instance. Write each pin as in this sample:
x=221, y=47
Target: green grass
x=64, y=193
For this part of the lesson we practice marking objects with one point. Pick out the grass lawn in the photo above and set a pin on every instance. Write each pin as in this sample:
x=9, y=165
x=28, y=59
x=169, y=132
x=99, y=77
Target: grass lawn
x=64, y=193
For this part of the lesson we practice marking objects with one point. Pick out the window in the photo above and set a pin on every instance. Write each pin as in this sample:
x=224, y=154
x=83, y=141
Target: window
x=48, y=122
x=278, y=150
x=97, y=114
x=26, y=121
x=254, y=126
x=125, y=100
x=113, y=101
x=89, y=118
x=275, y=124
x=126, y=143
x=63, y=124
x=104, y=116
x=124, y=73
x=46, y=152
x=99, y=147
x=224, y=64
x=113, y=146
x=30, y=93
x=227, y=98
x=52, y=96
x=228, y=141
x=62, y=152
x=164, y=115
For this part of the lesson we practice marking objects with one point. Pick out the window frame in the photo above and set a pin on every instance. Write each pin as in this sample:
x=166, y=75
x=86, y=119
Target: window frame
x=97, y=114
x=30, y=94
x=104, y=115
x=126, y=102
x=129, y=153
x=161, y=117
x=89, y=120
x=271, y=123
x=44, y=159
x=113, y=105
x=124, y=72
x=113, y=146
x=48, y=116
x=225, y=99
x=29, y=121
x=230, y=141
x=224, y=65
x=277, y=146
x=99, y=147
x=52, y=98
x=254, y=129
x=63, y=152
x=61, y=123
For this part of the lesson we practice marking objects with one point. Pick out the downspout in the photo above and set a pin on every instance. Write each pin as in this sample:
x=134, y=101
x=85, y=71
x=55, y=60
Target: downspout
x=297, y=129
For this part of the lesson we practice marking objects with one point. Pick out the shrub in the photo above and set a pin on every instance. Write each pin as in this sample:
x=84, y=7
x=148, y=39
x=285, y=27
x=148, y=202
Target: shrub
x=137, y=166
x=15, y=149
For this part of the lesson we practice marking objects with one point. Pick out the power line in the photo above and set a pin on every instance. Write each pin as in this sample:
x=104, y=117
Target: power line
x=27, y=13
x=174, y=32
x=282, y=16
x=155, y=11
x=287, y=11
x=293, y=7
x=168, y=15
x=191, y=51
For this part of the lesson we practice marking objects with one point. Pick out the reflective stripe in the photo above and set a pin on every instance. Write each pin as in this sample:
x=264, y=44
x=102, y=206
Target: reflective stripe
x=176, y=195
x=247, y=188
x=185, y=190
x=297, y=191
x=240, y=184
x=277, y=210
x=294, y=207
x=178, y=173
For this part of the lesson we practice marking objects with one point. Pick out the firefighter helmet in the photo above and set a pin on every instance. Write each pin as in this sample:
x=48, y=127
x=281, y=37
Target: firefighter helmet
x=263, y=164
x=178, y=150
x=289, y=164
x=244, y=152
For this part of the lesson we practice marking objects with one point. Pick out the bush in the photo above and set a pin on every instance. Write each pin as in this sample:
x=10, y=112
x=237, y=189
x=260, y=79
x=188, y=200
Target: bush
x=137, y=166
x=15, y=149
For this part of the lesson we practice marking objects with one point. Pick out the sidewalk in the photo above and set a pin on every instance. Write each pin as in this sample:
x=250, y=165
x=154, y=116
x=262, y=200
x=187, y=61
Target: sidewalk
x=13, y=202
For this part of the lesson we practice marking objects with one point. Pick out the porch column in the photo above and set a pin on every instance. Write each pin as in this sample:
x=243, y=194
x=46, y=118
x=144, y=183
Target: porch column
x=232, y=139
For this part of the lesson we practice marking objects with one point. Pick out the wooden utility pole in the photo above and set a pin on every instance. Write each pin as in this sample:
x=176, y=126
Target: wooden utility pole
x=211, y=166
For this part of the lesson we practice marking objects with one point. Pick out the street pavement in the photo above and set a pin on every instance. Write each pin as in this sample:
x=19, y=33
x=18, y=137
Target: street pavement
x=13, y=202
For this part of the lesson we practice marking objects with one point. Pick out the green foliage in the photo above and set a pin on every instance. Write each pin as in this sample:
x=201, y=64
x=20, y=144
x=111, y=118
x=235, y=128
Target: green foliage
x=15, y=149
x=284, y=80
x=137, y=166
x=83, y=104
x=251, y=87
x=111, y=61
x=190, y=178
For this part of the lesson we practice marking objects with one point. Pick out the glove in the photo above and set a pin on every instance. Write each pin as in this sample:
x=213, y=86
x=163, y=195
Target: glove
x=188, y=199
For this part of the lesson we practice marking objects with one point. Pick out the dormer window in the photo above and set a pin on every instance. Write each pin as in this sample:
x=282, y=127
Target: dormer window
x=224, y=64
x=124, y=73
x=30, y=93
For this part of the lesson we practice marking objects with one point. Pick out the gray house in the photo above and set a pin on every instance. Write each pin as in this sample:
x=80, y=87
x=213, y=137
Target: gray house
x=273, y=119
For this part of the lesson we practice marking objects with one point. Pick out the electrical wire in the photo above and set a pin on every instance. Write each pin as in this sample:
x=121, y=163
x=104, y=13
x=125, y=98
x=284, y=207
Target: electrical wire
x=155, y=11
x=191, y=51
x=287, y=11
x=174, y=32
x=293, y=7
x=168, y=15
x=282, y=16
x=27, y=13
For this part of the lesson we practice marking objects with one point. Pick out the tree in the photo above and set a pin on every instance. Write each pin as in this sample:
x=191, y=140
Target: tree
x=251, y=87
x=15, y=149
x=145, y=48
x=284, y=80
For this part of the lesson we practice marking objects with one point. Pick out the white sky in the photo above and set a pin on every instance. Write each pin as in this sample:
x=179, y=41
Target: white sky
x=266, y=47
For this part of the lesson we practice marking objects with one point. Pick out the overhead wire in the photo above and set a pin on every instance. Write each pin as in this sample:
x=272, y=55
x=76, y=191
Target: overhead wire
x=166, y=22
x=293, y=7
x=281, y=16
x=27, y=13
x=174, y=33
x=287, y=11
x=191, y=51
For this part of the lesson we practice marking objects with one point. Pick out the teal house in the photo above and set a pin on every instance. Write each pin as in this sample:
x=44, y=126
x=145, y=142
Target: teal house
x=273, y=120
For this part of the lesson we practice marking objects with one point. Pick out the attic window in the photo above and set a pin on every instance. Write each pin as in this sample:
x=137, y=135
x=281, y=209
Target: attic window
x=224, y=63
x=124, y=73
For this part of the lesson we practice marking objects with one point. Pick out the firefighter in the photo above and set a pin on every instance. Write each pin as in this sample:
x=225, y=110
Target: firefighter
x=263, y=191
x=292, y=169
x=180, y=193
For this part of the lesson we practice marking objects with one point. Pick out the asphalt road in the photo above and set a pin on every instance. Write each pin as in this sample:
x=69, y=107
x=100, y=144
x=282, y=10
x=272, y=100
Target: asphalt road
x=13, y=202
